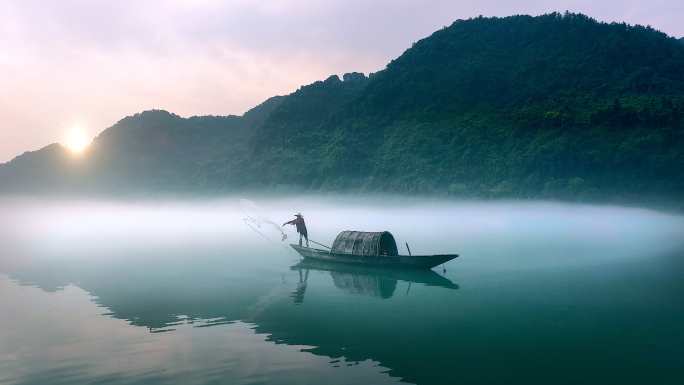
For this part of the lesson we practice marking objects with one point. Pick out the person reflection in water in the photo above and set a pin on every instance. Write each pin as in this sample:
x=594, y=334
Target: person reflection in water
x=301, y=228
x=298, y=294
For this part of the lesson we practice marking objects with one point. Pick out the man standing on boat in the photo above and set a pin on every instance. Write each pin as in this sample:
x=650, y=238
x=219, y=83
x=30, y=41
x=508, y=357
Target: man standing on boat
x=301, y=228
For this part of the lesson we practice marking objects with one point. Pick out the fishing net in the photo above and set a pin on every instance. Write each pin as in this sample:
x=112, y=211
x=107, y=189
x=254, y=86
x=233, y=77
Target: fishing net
x=259, y=221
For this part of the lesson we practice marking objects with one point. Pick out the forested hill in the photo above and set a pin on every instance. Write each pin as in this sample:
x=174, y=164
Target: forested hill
x=154, y=151
x=554, y=106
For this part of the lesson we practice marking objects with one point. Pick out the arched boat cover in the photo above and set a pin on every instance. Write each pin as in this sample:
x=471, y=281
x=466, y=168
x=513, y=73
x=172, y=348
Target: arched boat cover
x=364, y=243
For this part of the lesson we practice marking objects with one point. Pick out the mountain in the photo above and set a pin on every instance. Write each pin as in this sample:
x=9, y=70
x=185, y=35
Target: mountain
x=153, y=151
x=557, y=106
x=292, y=126
x=39, y=171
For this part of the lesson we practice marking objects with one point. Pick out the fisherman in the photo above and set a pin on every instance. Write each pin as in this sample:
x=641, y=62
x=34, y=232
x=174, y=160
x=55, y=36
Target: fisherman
x=301, y=228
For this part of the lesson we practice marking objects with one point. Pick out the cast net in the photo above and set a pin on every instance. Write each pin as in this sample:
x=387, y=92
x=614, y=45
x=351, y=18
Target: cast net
x=260, y=221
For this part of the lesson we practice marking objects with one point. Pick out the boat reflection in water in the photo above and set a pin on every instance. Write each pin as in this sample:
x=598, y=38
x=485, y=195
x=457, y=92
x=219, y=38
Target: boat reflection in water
x=366, y=280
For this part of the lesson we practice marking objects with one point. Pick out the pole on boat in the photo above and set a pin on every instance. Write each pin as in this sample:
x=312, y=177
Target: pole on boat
x=407, y=248
x=318, y=243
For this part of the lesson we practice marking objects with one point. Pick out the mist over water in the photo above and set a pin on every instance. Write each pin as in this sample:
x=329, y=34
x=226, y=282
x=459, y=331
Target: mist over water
x=505, y=234
x=181, y=291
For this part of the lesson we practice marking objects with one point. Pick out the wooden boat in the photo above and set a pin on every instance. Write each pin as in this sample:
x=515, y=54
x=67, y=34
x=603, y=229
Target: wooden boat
x=372, y=249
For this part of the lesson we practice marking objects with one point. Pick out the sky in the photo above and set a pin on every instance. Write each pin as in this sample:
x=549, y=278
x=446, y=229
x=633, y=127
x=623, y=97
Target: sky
x=79, y=66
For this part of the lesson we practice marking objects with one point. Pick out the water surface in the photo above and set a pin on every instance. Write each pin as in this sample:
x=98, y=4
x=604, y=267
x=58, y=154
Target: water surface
x=185, y=292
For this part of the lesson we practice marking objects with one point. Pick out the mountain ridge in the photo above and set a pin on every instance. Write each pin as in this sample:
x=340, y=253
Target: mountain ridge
x=557, y=106
x=558, y=136
x=150, y=151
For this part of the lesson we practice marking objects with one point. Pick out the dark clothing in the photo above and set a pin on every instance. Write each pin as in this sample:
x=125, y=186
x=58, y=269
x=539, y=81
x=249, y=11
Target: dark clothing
x=301, y=229
x=306, y=236
x=299, y=222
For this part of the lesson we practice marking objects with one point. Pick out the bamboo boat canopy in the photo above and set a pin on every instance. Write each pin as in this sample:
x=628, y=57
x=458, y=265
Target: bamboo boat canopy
x=362, y=243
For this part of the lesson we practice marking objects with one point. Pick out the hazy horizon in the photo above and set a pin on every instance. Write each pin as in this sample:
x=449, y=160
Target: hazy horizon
x=532, y=228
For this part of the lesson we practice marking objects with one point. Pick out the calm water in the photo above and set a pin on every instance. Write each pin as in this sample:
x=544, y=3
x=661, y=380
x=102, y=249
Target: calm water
x=186, y=292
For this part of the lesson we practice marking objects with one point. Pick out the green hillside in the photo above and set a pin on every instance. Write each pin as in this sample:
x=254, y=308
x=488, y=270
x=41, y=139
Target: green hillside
x=272, y=157
x=554, y=106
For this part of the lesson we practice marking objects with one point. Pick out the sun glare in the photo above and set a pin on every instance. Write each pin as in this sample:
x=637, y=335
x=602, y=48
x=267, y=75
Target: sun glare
x=76, y=140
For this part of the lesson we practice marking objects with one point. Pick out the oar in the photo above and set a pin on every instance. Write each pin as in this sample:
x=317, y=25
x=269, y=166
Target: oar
x=407, y=248
x=318, y=244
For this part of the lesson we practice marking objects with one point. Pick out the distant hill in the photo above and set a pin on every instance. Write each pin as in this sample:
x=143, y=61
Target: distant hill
x=40, y=171
x=148, y=152
x=557, y=106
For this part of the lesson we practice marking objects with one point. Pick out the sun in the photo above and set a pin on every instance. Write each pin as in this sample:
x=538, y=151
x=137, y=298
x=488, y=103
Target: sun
x=77, y=140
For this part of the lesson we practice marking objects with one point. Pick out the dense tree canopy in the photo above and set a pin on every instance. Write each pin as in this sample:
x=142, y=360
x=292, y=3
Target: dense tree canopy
x=556, y=106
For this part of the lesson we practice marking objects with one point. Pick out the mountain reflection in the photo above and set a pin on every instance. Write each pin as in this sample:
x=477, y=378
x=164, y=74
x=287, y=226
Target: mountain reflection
x=365, y=280
x=206, y=293
x=415, y=323
x=160, y=296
